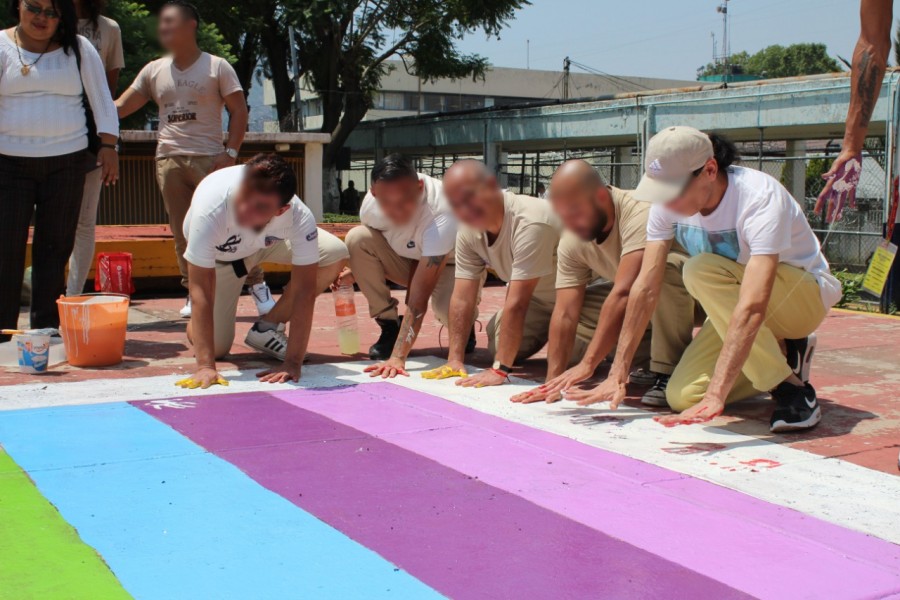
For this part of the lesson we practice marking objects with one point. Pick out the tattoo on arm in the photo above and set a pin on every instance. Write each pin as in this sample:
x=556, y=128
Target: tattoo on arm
x=409, y=329
x=435, y=261
x=867, y=87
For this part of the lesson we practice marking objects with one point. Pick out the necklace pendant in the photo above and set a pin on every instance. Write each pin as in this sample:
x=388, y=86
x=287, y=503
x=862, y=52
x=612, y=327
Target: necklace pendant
x=26, y=69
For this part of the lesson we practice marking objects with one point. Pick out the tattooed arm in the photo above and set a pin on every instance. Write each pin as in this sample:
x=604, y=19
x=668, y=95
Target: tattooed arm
x=425, y=277
x=867, y=73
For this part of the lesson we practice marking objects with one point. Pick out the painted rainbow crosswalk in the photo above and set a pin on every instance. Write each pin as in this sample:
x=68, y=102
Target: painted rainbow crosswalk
x=376, y=490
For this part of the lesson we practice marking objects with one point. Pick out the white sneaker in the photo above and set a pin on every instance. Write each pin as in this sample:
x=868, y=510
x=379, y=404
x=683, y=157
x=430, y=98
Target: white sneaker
x=272, y=342
x=263, y=298
x=185, y=311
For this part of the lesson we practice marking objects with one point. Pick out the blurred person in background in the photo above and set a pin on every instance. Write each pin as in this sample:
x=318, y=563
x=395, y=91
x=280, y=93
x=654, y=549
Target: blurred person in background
x=44, y=135
x=104, y=34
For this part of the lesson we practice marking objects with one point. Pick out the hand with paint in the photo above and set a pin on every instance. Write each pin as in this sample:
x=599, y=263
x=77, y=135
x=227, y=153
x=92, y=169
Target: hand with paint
x=388, y=369
x=568, y=379
x=840, y=187
x=611, y=390
x=203, y=378
x=706, y=410
x=289, y=371
x=487, y=378
x=447, y=371
x=538, y=394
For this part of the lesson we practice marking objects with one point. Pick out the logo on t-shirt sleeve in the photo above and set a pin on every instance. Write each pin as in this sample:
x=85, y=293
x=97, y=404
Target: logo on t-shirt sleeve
x=230, y=245
x=311, y=236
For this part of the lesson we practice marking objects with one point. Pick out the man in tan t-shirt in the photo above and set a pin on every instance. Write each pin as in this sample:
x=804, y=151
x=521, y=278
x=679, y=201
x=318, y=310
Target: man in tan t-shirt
x=599, y=259
x=516, y=237
x=190, y=87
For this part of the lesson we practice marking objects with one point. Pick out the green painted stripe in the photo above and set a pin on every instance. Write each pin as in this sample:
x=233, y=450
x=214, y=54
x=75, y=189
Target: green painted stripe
x=42, y=555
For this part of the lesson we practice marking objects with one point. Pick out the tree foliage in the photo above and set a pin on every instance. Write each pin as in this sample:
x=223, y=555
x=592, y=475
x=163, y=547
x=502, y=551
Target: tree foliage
x=780, y=61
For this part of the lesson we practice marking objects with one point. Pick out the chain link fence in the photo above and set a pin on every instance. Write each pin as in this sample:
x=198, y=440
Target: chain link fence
x=848, y=244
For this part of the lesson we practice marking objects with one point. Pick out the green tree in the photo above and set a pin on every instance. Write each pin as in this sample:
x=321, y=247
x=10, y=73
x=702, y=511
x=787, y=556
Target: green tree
x=780, y=61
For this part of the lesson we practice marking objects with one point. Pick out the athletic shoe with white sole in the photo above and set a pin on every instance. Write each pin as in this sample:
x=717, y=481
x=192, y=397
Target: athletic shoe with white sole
x=185, y=311
x=272, y=342
x=656, y=396
x=800, y=354
x=642, y=376
x=797, y=408
x=262, y=296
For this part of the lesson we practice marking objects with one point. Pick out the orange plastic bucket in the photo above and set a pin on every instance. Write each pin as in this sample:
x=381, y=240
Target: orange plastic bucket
x=93, y=329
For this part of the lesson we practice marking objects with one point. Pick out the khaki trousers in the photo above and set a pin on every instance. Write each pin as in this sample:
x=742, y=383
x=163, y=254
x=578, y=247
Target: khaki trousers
x=535, y=334
x=332, y=254
x=374, y=263
x=671, y=326
x=178, y=178
x=795, y=310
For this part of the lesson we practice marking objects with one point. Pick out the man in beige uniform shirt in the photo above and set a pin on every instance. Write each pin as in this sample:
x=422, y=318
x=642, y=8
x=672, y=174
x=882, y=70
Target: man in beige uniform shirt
x=606, y=231
x=191, y=87
x=515, y=236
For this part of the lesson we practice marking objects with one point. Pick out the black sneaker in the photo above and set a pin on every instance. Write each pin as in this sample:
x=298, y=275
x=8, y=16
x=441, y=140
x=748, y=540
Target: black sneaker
x=656, y=396
x=382, y=349
x=800, y=354
x=796, y=408
x=470, y=345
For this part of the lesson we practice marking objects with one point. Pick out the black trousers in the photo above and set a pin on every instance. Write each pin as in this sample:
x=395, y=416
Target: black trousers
x=49, y=189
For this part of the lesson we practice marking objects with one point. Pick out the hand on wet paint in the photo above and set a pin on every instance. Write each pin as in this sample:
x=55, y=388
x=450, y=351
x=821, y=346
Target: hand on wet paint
x=486, y=378
x=202, y=379
x=569, y=378
x=705, y=410
x=610, y=390
x=451, y=369
x=388, y=369
x=536, y=395
x=288, y=372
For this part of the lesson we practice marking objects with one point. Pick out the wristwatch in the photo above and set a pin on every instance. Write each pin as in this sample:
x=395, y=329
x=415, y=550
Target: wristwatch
x=232, y=153
x=501, y=368
x=110, y=146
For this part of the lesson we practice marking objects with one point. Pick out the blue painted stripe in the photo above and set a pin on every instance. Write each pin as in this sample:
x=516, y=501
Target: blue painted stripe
x=173, y=521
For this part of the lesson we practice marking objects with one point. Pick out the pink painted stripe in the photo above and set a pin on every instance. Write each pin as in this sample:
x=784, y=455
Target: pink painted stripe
x=457, y=534
x=752, y=545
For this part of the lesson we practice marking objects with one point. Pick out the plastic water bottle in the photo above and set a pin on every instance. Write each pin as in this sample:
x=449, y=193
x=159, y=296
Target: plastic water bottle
x=345, y=311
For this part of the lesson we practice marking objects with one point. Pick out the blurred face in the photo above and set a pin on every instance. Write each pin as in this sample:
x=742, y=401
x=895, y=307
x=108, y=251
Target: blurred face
x=698, y=192
x=175, y=28
x=399, y=200
x=472, y=197
x=38, y=19
x=581, y=209
x=254, y=209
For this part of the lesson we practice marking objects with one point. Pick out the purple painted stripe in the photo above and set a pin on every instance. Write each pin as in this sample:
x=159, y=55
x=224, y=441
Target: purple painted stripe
x=457, y=534
x=711, y=529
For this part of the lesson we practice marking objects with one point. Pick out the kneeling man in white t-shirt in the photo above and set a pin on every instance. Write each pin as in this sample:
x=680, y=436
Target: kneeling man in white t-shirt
x=240, y=217
x=757, y=269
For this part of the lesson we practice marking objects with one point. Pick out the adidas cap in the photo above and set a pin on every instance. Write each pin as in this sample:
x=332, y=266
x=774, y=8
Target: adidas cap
x=672, y=156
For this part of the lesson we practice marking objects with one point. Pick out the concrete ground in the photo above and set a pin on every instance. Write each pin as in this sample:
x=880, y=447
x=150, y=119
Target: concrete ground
x=856, y=371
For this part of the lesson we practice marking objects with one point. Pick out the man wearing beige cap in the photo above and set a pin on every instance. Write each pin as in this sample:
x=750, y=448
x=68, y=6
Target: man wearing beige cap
x=757, y=270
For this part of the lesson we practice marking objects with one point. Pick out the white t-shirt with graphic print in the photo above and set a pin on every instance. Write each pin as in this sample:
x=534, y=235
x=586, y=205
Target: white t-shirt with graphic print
x=431, y=232
x=213, y=235
x=757, y=215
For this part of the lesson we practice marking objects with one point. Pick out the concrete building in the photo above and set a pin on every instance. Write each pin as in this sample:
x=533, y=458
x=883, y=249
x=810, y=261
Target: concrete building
x=404, y=95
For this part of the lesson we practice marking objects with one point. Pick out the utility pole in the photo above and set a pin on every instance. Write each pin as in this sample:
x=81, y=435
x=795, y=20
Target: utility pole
x=295, y=75
x=723, y=10
x=566, y=65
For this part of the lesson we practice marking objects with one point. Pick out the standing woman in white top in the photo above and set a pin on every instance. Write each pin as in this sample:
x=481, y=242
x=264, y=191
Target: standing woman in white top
x=104, y=34
x=43, y=148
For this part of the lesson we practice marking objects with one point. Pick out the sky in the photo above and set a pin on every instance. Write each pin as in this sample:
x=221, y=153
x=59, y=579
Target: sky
x=661, y=38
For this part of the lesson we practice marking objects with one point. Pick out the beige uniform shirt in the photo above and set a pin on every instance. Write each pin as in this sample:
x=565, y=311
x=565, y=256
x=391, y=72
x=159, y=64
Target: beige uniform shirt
x=106, y=39
x=581, y=262
x=190, y=103
x=524, y=249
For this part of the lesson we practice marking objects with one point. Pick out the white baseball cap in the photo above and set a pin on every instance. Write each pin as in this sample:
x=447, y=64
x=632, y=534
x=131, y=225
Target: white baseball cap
x=673, y=155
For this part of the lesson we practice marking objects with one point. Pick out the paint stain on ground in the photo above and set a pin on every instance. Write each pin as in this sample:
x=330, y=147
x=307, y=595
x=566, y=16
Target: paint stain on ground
x=695, y=448
x=761, y=462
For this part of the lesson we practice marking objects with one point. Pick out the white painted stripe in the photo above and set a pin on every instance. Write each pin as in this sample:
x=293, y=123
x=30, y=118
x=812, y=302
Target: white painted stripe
x=830, y=489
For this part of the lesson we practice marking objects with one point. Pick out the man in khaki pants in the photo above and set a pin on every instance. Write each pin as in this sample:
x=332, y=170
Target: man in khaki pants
x=606, y=232
x=190, y=87
x=756, y=268
x=407, y=236
x=515, y=236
